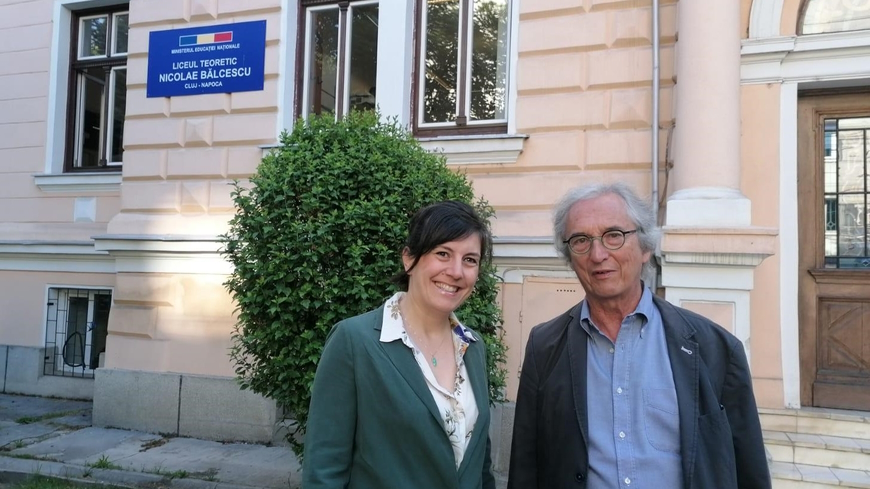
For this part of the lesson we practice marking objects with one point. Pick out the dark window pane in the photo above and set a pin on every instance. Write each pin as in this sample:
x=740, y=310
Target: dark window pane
x=363, y=57
x=119, y=108
x=92, y=32
x=323, y=62
x=440, y=61
x=489, y=60
x=89, y=117
x=76, y=332
x=121, y=30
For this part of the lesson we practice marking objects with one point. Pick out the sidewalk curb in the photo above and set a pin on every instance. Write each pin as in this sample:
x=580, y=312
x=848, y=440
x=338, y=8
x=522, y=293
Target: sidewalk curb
x=21, y=468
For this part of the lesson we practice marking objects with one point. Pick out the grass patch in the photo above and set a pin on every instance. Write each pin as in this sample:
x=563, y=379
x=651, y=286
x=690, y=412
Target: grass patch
x=169, y=474
x=104, y=463
x=46, y=417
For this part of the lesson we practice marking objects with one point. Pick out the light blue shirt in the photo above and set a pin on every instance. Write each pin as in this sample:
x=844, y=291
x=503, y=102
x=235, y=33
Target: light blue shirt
x=634, y=423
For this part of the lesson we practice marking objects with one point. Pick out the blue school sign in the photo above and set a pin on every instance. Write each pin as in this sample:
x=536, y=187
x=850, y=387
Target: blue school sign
x=214, y=59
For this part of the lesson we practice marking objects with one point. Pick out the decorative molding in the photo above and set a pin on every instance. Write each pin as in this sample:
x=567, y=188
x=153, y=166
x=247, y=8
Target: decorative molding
x=832, y=56
x=765, y=18
x=477, y=150
x=78, y=182
x=57, y=256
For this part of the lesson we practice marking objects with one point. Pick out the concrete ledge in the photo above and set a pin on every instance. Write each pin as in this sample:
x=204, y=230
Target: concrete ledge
x=144, y=401
x=211, y=408
x=215, y=408
x=22, y=368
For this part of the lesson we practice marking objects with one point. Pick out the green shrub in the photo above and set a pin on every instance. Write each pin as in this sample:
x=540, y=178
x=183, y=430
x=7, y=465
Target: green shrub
x=316, y=238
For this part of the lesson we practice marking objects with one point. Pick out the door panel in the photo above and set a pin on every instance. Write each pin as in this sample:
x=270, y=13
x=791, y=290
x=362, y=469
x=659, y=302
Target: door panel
x=834, y=256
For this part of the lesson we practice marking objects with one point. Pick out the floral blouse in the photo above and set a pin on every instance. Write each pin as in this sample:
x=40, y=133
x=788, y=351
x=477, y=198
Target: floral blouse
x=458, y=408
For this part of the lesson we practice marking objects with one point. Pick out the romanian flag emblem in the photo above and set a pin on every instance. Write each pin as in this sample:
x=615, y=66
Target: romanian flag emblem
x=200, y=39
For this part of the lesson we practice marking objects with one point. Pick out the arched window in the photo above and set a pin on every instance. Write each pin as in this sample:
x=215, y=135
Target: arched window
x=835, y=16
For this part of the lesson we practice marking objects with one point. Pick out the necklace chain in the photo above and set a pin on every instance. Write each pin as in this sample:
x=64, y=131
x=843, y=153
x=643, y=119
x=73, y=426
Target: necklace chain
x=420, y=337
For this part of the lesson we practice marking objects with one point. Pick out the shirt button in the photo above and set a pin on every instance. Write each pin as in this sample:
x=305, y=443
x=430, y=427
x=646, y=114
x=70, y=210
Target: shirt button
x=611, y=349
x=622, y=435
x=619, y=390
x=627, y=481
x=579, y=477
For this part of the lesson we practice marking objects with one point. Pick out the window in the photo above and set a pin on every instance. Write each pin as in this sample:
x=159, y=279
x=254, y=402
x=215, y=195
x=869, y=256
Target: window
x=462, y=66
x=98, y=89
x=76, y=330
x=847, y=188
x=341, y=57
x=835, y=16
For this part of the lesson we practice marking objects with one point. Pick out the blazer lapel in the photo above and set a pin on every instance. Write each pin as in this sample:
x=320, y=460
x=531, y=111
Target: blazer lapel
x=474, y=359
x=685, y=365
x=577, y=360
x=403, y=359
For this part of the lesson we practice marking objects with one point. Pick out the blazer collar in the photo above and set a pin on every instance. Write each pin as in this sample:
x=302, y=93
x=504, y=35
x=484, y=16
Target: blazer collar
x=685, y=364
x=577, y=339
x=474, y=359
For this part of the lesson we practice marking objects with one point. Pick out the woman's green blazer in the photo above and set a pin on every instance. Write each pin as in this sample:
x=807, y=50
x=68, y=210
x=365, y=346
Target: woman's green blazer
x=373, y=423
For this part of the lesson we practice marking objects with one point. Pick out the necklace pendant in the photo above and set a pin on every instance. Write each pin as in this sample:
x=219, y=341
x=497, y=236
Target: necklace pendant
x=434, y=361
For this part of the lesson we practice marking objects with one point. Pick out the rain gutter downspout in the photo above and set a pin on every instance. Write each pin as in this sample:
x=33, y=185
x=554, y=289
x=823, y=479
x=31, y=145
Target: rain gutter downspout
x=655, y=106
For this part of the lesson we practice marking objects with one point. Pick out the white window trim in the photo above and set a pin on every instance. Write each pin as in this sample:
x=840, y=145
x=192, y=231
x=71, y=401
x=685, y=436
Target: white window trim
x=110, y=117
x=114, y=50
x=58, y=97
x=512, y=26
x=477, y=150
x=81, y=38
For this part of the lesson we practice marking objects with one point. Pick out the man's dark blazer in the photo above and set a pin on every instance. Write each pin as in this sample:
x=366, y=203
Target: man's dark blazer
x=373, y=422
x=720, y=433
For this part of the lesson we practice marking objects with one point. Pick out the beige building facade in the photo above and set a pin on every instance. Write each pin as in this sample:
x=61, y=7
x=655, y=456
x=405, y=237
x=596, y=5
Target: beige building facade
x=111, y=201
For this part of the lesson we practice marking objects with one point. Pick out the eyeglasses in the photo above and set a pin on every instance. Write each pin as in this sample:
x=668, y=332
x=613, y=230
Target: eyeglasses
x=580, y=244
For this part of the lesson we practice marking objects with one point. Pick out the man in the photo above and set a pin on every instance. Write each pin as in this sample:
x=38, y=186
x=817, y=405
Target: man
x=626, y=390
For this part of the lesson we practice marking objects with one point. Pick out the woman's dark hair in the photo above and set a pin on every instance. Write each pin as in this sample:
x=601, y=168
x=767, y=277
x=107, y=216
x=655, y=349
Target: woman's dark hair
x=441, y=223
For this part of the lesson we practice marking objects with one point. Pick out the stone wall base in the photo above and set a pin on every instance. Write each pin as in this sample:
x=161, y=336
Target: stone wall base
x=211, y=408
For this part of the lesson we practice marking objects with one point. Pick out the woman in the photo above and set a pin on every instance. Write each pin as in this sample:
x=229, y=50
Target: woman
x=400, y=397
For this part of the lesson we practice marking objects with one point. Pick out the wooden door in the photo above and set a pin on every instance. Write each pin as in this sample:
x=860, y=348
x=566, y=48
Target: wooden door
x=834, y=249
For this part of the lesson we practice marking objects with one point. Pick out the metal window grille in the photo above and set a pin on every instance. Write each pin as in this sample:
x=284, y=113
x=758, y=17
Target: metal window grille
x=76, y=330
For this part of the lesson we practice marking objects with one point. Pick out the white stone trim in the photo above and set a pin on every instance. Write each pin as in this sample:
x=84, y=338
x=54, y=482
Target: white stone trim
x=395, y=59
x=476, y=150
x=66, y=257
x=78, y=182
x=832, y=56
x=788, y=248
x=287, y=66
x=765, y=18
x=164, y=253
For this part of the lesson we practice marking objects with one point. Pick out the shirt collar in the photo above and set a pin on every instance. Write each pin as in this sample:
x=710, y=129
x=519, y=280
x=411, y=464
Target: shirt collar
x=392, y=326
x=644, y=309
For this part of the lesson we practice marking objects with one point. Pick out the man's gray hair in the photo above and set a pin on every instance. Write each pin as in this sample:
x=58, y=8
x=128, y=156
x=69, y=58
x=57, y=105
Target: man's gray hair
x=639, y=211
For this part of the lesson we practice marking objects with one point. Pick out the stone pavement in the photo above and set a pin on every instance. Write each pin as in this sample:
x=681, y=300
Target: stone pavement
x=55, y=437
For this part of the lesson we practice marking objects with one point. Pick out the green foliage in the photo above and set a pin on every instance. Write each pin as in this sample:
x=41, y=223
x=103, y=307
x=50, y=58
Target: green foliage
x=316, y=238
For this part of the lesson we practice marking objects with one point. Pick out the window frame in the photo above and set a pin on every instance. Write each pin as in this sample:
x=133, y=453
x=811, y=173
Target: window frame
x=58, y=316
x=77, y=66
x=462, y=124
x=303, y=61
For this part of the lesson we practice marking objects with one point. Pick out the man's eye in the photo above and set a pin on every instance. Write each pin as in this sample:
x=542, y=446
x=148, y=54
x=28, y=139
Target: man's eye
x=613, y=235
x=581, y=239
